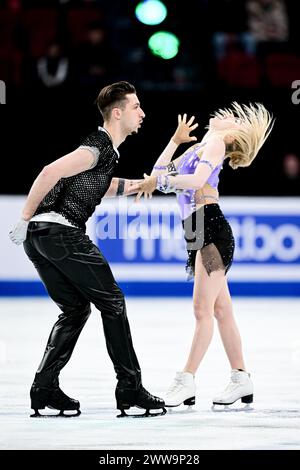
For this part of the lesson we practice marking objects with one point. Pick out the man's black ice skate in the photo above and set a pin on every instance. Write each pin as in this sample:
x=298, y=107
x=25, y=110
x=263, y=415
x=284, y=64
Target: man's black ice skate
x=140, y=398
x=52, y=398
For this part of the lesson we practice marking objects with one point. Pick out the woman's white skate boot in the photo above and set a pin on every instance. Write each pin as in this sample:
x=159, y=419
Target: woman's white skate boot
x=240, y=387
x=182, y=390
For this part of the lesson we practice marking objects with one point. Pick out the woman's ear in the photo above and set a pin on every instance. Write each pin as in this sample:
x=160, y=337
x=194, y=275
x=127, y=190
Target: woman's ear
x=231, y=146
x=229, y=140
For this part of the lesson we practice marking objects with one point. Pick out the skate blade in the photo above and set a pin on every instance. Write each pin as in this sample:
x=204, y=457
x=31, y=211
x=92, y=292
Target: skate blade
x=188, y=409
x=227, y=409
x=61, y=414
x=147, y=414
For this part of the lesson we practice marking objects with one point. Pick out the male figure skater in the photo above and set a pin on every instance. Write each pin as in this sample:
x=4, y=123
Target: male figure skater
x=74, y=271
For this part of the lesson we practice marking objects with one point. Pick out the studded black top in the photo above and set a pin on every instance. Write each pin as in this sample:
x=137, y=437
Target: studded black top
x=76, y=197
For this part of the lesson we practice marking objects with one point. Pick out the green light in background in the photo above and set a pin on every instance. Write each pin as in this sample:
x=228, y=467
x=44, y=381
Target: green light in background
x=151, y=12
x=164, y=44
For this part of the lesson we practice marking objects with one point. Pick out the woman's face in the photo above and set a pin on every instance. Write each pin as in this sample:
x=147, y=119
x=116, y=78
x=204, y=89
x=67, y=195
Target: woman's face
x=229, y=122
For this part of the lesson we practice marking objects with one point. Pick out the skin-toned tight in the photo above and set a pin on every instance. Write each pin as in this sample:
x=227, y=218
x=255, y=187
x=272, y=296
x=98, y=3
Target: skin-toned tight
x=211, y=298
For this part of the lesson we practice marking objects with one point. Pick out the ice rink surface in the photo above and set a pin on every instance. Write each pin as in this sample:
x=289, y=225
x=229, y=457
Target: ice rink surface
x=162, y=330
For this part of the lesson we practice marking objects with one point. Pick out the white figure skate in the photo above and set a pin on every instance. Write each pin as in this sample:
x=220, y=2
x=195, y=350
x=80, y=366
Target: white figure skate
x=240, y=387
x=182, y=390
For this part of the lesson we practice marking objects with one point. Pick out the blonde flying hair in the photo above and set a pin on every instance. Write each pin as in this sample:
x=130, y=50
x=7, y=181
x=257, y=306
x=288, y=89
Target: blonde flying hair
x=257, y=124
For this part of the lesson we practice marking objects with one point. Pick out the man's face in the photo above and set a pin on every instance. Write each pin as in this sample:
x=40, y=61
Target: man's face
x=132, y=115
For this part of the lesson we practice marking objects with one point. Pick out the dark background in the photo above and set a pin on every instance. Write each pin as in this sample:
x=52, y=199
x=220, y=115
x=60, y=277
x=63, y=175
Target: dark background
x=41, y=123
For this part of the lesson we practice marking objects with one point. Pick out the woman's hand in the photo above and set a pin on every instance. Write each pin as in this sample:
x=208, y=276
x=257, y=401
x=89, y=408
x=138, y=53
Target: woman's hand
x=146, y=187
x=182, y=133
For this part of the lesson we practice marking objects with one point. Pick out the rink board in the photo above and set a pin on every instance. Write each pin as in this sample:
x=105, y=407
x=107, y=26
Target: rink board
x=144, y=246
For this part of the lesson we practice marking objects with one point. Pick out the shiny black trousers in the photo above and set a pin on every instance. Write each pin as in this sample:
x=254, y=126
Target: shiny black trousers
x=76, y=274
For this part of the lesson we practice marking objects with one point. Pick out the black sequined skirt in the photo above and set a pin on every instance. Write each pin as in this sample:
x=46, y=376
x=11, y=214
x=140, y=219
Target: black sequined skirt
x=207, y=230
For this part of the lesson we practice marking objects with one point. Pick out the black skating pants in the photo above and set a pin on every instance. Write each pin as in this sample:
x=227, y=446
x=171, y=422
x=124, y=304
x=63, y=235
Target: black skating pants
x=76, y=274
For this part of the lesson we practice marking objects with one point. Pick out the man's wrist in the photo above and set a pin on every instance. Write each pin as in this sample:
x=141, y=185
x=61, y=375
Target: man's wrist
x=26, y=217
x=153, y=179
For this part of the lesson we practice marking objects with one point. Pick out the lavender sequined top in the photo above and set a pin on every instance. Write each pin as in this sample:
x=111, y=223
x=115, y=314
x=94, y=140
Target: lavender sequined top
x=187, y=166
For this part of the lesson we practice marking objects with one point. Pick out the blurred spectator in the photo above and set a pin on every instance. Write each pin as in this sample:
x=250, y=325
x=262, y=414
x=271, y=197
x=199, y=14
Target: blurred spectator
x=37, y=3
x=14, y=5
x=96, y=61
x=53, y=68
x=229, y=18
x=268, y=22
x=291, y=175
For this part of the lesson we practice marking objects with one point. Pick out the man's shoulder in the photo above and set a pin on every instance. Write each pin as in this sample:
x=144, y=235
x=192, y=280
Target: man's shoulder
x=97, y=139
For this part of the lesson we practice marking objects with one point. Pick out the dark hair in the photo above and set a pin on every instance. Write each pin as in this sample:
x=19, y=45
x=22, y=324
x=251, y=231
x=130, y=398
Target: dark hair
x=112, y=96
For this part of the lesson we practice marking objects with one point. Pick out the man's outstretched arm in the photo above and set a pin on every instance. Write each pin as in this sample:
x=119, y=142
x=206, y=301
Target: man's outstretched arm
x=122, y=187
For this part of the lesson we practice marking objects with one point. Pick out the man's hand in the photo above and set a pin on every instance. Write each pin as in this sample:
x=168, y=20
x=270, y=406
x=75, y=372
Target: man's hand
x=19, y=232
x=146, y=187
x=182, y=133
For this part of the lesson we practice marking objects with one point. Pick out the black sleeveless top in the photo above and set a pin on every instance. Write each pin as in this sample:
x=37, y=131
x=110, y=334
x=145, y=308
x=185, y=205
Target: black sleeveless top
x=76, y=197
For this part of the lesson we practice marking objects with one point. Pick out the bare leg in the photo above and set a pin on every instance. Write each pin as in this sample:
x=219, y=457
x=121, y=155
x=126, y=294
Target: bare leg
x=206, y=290
x=228, y=328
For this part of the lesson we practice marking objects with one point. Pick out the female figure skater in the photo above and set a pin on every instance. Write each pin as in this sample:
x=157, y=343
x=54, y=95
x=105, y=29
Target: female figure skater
x=235, y=134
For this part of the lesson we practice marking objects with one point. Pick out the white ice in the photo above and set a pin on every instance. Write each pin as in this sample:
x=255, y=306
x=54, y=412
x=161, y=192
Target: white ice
x=162, y=331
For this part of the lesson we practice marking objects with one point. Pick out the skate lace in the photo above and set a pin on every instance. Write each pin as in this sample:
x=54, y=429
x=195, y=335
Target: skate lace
x=145, y=392
x=61, y=394
x=234, y=382
x=145, y=395
x=61, y=397
x=176, y=386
